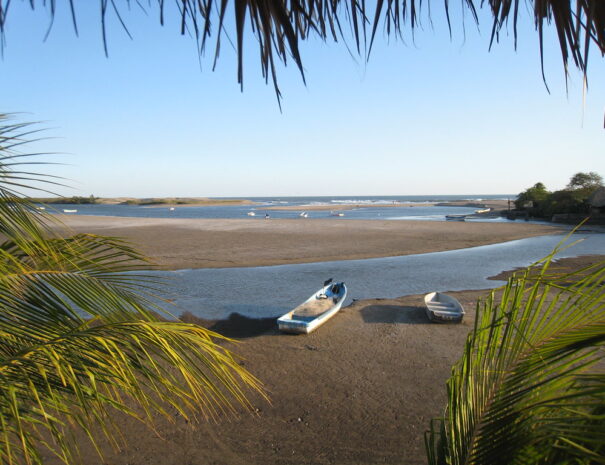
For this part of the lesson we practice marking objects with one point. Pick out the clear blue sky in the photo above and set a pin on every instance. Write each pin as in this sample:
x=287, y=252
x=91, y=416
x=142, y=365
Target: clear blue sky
x=424, y=116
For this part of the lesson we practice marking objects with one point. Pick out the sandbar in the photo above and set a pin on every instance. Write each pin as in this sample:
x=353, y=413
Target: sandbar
x=175, y=243
x=496, y=205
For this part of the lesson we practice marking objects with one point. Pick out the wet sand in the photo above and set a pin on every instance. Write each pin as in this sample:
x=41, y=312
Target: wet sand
x=362, y=389
x=217, y=243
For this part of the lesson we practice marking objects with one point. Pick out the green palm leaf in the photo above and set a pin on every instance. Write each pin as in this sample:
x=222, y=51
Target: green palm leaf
x=80, y=338
x=526, y=389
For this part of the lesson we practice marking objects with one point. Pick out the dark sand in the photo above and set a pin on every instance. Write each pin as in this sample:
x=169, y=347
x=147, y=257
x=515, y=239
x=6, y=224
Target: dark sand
x=360, y=390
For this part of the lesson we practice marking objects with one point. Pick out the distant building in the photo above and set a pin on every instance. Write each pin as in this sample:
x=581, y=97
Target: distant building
x=597, y=201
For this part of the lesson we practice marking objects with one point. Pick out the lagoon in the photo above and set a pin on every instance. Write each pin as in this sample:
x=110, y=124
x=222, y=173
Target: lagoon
x=270, y=291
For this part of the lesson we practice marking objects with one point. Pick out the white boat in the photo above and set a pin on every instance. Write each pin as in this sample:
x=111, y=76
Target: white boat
x=332, y=213
x=443, y=308
x=483, y=210
x=171, y=209
x=67, y=210
x=455, y=217
x=303, y=215
x=251, y=214
x=315, y=311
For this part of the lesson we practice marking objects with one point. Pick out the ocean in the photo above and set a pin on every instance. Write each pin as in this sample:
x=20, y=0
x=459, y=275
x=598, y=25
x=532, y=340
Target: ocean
x=372, y=207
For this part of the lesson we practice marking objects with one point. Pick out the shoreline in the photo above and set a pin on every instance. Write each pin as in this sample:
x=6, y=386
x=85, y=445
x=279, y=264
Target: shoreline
x=362, y=389
x=174, y=243
x=493, y=204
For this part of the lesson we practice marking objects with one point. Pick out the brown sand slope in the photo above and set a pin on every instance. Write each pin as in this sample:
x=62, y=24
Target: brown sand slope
x=360, y=390
x=206, y=243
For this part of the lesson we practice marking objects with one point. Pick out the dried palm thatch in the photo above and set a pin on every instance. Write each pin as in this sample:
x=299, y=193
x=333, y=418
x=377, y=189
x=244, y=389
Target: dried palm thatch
x=279, y=26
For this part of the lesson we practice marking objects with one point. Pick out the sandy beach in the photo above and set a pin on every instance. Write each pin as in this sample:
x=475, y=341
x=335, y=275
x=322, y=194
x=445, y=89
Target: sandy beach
x=217, y=243
x=360, y=390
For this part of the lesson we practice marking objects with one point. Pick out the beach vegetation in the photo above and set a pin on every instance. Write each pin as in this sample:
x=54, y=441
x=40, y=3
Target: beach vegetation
x=589, y=180
x=81, y=337
x=528, y=388
x=532, y=197
x=280, y=27
x=573, y=199
x=75, y=200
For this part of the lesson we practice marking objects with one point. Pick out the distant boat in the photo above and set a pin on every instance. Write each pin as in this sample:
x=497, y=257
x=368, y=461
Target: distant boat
x=443, y=308
x=251, y=214
x=455, y=217
x=303, y=215
x=171, y=209
x=483, y=210
x=66, y=210
x=315, y=311
x=333, y=213
x=40, y=208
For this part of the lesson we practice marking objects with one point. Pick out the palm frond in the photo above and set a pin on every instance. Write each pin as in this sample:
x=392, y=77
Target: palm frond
x=87, y=374
x=80, y=336
x=525, y=389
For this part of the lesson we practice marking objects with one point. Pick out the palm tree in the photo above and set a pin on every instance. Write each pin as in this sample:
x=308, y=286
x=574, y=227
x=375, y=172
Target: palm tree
x=79, y=337
x=280, y=26
x=528, y=389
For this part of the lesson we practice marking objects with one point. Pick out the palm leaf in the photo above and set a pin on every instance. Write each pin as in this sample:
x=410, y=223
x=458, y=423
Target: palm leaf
x=80, y=336
x=526, y=389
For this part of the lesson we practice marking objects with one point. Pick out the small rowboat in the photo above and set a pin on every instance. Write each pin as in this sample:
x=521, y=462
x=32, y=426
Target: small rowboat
x=66, y=210
x=315, y=311
x=333, y=213
x=251, y=214
x=443, y=308
x=483, y=210
x=455, y=217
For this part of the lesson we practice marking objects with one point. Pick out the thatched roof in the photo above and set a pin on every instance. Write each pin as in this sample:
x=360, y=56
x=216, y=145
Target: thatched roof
x=281, y=25
x=597, y=199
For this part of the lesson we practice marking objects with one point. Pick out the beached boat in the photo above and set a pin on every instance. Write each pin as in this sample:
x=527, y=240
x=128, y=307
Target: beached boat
x=483, y=210
x=251, y=214
x=443, y=308
x=315, y=311
x=455, y=217
x=67, y=210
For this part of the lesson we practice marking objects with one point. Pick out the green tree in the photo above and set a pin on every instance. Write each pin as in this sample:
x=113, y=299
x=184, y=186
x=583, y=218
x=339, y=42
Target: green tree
x=535, y=194
x=590, y=180
x=80, y=340
x=527, y=389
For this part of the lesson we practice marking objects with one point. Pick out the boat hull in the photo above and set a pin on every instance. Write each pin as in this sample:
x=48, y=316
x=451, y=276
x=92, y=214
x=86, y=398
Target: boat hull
x=455, y=217
x=299, y=324
x=442, y=308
